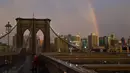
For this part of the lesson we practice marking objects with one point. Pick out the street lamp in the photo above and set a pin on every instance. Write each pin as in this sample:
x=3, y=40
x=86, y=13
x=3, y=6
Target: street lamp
x=8, y=28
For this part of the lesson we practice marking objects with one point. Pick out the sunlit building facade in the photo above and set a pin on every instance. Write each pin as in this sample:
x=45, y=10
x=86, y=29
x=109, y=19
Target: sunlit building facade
x=93, y=41
x=111, y=40
x=61, y=44
x=78, y=41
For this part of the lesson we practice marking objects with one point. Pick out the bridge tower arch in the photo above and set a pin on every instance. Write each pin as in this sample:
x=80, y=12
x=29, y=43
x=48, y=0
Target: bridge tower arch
x=33, y=25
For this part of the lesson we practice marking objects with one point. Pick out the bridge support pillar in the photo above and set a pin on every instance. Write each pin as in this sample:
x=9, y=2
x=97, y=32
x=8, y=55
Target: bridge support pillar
x=37, y=24
x=46, y=47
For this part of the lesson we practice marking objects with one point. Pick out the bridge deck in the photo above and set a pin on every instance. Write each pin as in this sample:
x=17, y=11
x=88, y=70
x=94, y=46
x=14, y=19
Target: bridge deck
x=24, y=68
x=110, y=67
x=66, y=65
x=61, y=58
x=88, y=60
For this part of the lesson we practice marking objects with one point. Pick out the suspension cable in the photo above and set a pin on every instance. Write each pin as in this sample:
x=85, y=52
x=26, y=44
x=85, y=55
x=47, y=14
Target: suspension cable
x=8, y=32
x=62, y=39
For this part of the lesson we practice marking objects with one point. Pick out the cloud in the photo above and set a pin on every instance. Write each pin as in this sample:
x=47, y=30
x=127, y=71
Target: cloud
x=114, y=17
x=70, y=16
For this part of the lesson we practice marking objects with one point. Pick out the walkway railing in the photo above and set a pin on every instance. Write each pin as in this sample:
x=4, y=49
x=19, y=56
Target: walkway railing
x=65, y=66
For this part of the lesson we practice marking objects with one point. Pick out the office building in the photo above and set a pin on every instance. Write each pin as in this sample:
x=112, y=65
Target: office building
x=84, y=44
x=112, y=41
x=61, y=44
x=92, y=41
x=124, y=45
x=101, y=41
x=128, y=42
x=74, y=41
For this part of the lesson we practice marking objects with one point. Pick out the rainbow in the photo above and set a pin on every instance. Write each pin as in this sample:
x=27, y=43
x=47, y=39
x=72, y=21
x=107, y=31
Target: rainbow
x=93, y=16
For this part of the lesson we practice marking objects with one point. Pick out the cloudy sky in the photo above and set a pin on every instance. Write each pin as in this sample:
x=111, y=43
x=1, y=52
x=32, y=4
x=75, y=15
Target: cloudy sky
x=71, y=16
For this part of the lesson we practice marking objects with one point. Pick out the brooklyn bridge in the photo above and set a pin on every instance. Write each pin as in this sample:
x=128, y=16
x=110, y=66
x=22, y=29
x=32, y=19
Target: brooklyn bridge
x=19, y=60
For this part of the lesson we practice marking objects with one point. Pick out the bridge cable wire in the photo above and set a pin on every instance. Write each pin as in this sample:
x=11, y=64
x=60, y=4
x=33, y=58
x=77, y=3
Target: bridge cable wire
x=8, y=32
x=81, y=68
x=63, y=39
x=11, y=31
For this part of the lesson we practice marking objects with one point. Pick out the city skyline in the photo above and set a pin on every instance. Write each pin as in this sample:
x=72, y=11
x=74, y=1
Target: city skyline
x=112, y=16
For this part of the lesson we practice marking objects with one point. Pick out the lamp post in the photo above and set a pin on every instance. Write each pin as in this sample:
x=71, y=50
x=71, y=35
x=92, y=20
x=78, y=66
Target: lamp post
x=8, y=28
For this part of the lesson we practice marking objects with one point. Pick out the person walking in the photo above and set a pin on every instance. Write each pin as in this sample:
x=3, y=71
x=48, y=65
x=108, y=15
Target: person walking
x=35, y=63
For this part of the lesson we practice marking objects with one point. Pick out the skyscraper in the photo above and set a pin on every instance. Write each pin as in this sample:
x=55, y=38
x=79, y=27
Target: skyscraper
x=78, y=41
x=111, y=40
x=84, y=43
x=106, y=42
x=61, y=44
x=101, y=41
x=112, y=36
x=128, y=42
x=124, y=44
x=75, y=41
x=113, y=44
x=92, y=41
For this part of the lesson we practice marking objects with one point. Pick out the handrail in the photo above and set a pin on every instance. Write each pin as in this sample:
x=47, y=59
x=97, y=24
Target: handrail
x=75, y=68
